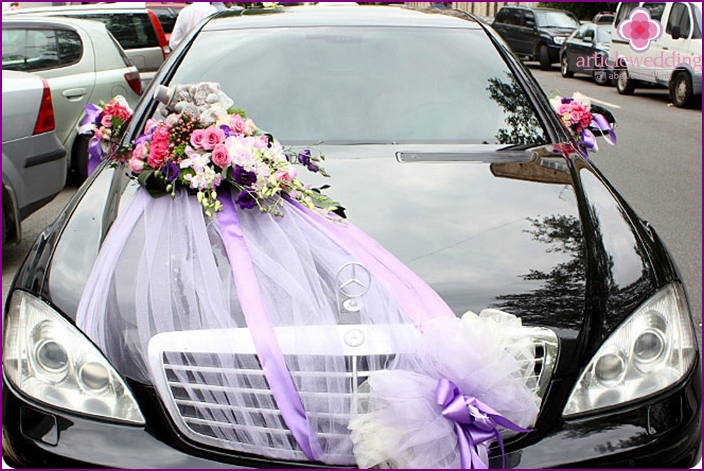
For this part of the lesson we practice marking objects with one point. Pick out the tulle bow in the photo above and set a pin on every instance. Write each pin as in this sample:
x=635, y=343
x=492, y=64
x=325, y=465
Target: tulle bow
x=476, y=424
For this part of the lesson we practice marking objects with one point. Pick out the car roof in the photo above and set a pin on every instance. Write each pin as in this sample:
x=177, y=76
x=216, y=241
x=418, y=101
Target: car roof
x=341, y=15
x=124, y=7
x=85, y=24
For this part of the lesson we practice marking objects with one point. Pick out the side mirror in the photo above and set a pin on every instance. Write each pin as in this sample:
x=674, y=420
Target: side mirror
x=588, y=39
x=606, y=114
x=676, y=32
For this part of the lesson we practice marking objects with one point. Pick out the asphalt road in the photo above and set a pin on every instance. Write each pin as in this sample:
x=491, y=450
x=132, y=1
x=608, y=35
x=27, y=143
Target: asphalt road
x=656, y=166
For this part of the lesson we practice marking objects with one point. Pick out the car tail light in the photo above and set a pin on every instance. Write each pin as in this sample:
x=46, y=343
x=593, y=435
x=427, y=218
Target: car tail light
x=45, y=119
x=165, y=49
x=134, y=81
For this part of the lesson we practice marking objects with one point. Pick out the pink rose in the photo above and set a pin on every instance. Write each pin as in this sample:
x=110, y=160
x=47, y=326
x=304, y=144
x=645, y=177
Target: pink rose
x=213, y=136
x=161, y=134
x=98, y=134
x=220, y=156
x=106, y=120
x=140, y=151
x=238, y=124
x=282, y=176
x=157, y=154
x=197, y=137
x=136, y=165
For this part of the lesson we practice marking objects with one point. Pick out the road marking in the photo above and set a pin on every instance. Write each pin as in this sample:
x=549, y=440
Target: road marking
x=601, y=102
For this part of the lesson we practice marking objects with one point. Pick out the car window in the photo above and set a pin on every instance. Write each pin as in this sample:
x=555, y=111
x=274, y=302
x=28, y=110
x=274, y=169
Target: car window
x=502, y=16
x=132, y=30
x=367, y=85
x=603, y=35
x=589, y=33
x=624, y=11
x=656, y=10
x=679, y=16
x=579, y=34
x=555, y=19
x=39, y=49
x=167, y=17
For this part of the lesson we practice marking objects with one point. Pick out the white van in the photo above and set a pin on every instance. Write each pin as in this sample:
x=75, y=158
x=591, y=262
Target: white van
x=674, y=60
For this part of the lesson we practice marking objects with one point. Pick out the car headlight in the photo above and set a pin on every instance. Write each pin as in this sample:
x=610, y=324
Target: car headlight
x=651, y=350
x=48, y=359
x=559, y=39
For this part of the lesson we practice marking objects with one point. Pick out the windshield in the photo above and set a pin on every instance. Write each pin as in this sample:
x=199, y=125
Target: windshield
x=367, y=85
x=555, y=19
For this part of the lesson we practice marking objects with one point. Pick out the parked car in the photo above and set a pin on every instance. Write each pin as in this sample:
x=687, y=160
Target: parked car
x=535, y=33
x=136, y=28
x=674, y=60
x=82, y=63
x=464, y=172
x=604, y=17
x=167, y=14
x=587, y=51
x=33, y=159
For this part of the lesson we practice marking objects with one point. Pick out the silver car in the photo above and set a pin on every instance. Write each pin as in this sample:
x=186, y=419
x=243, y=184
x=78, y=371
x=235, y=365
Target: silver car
x=33, y=160
x=82, y=62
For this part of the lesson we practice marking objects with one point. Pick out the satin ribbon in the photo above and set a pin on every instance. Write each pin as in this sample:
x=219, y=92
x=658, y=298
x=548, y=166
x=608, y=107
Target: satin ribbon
x=476, y=424
x=588, y=140
x=95, y=153
x=263, y=335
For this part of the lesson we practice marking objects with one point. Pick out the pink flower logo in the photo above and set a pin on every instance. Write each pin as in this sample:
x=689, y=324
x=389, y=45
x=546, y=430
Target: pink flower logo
x=640, y=30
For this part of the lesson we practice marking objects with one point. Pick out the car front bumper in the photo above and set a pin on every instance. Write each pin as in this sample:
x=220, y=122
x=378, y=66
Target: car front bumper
x=663, y=432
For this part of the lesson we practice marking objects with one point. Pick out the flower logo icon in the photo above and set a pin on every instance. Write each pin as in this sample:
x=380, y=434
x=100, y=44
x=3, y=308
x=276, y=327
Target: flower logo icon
x=640, y=30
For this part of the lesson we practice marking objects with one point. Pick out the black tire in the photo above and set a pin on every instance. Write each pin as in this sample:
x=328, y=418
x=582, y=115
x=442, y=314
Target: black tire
x=624, y=84
x=565, y=67
x=601, y=77
x=681, y=90
x=544, y=57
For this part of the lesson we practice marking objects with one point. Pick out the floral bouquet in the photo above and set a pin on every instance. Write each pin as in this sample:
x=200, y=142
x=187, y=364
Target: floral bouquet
x=106, y=122
x=203, y=143
x=576, y=114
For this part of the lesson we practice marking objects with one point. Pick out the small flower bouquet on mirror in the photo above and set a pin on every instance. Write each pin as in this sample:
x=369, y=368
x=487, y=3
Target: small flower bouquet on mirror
x=576, y=113
x=106, y=123
x=203, y=142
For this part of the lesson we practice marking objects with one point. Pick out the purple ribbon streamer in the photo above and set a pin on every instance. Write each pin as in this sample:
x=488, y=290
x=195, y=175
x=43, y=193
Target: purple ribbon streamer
x=95, y=153
x=263, y=335
x=475, y=424
x=588, y=140
x=93, y=113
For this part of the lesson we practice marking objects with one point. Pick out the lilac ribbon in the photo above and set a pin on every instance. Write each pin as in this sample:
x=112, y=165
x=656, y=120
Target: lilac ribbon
x=588, y=140
x=263, y=335
x=93, y=113
x=95, y=153
x=476, y=424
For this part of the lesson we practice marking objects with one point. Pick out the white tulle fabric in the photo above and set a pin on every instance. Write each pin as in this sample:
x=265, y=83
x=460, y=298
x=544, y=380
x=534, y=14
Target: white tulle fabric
x=163, y=268
x=399, y=423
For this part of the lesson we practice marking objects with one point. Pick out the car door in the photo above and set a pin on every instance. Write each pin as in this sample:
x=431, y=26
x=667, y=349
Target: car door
x=682, y=50
x=584, y=49
x=65, y=58
x=572, y=48
x=526, y=32
x=649, y=57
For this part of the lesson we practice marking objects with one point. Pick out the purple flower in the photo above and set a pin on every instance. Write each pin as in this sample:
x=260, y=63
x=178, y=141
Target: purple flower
x=566, y=100
x=170, y=171
x=313, y=167
x=227, y=130
x=243, y=177
x=245, y=200
x=304, y=156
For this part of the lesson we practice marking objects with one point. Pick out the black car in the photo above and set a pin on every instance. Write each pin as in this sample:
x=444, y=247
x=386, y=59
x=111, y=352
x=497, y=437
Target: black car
x=535, y=33
x=444, y=149
x=587, y=51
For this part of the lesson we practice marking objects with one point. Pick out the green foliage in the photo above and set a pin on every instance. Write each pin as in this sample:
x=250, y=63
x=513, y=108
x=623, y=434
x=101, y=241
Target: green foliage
x=585, y=11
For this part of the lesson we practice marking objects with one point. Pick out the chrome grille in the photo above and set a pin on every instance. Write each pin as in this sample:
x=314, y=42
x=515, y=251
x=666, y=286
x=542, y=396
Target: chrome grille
x=189, y=368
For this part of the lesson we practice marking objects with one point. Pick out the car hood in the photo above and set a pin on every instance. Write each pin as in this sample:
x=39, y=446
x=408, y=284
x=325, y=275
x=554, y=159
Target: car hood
x=521, y=232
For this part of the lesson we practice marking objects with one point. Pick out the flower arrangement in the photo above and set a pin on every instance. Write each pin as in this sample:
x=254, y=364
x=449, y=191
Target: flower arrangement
x=106, y=122
x=204, y=143
x=576, y=114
